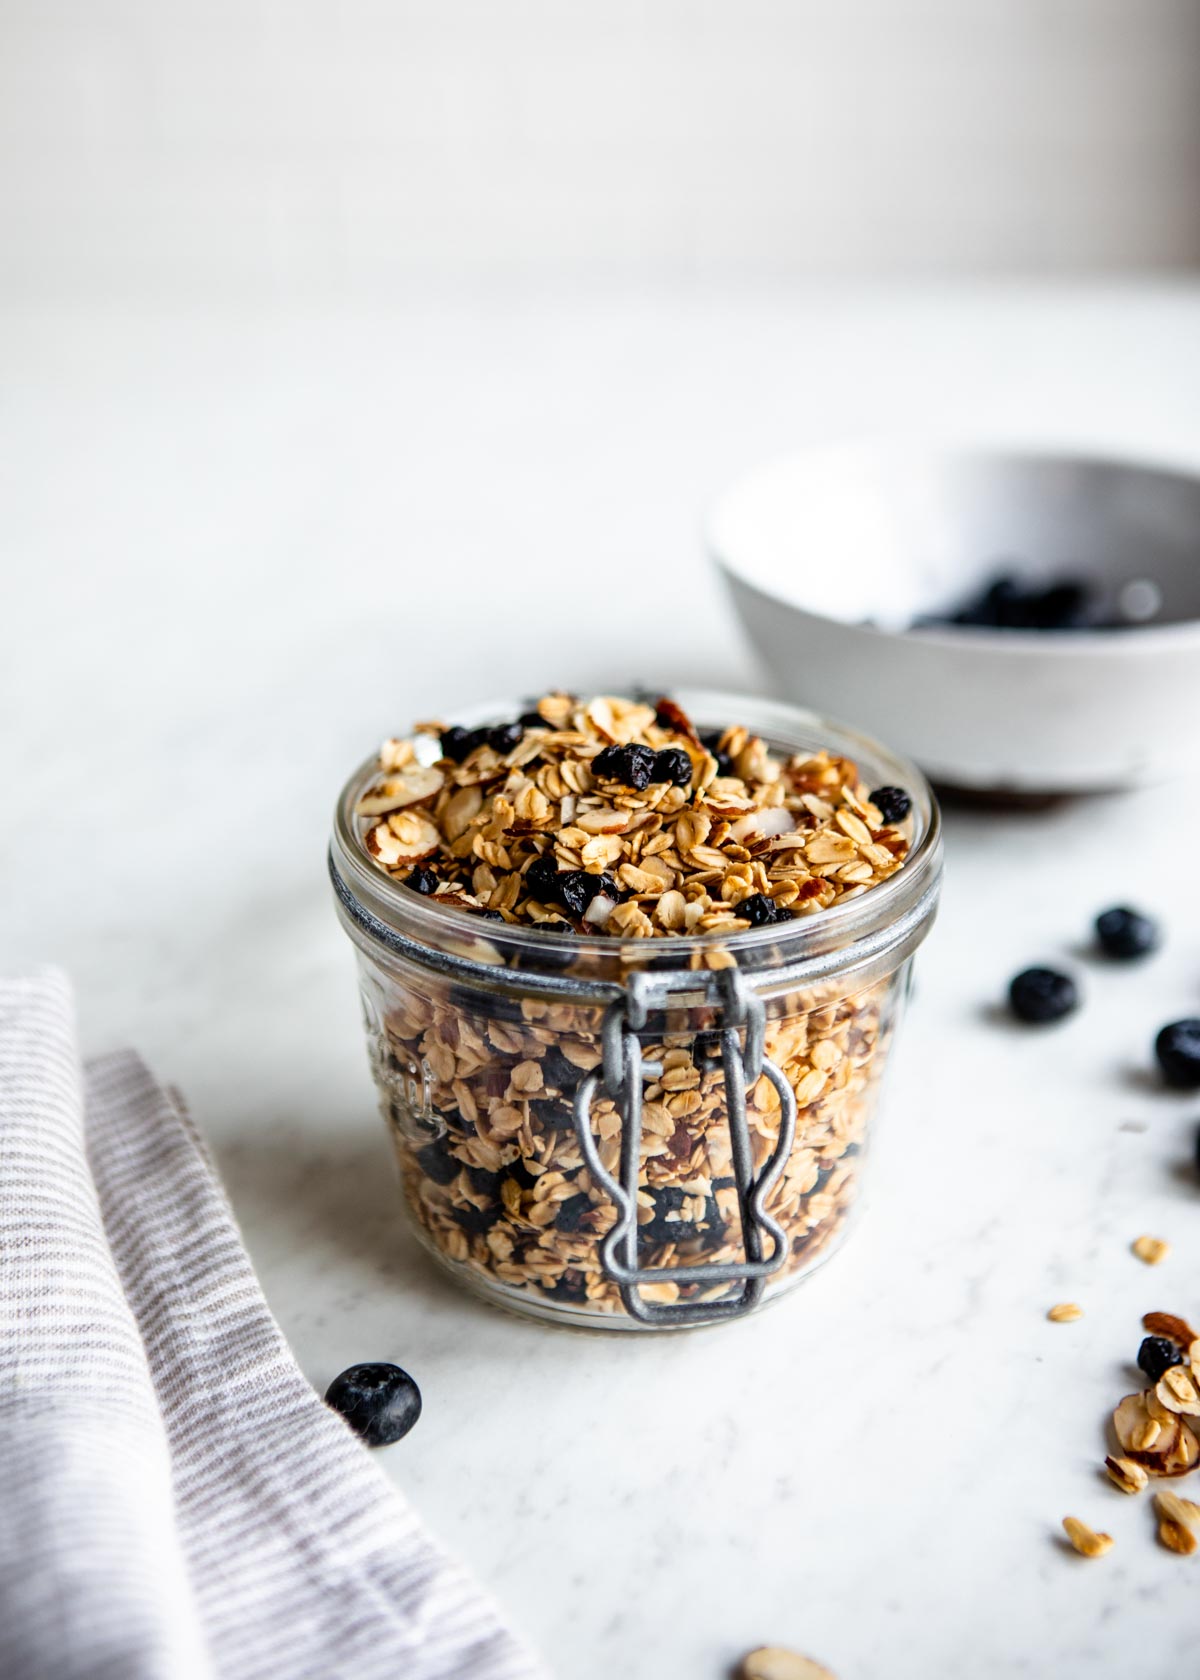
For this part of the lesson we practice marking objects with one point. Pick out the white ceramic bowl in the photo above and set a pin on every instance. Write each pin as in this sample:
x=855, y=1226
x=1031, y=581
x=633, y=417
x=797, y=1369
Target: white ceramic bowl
x=832, y=554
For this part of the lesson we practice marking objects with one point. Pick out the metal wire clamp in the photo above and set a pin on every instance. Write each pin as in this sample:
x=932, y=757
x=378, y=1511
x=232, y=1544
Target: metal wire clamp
x=623, y=1071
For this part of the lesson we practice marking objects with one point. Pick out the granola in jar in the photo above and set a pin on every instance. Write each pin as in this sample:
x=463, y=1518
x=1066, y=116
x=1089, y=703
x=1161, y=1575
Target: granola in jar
x=596, y=839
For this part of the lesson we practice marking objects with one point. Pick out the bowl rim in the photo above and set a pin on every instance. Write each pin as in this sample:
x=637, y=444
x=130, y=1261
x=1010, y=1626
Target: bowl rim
x=1125, y=641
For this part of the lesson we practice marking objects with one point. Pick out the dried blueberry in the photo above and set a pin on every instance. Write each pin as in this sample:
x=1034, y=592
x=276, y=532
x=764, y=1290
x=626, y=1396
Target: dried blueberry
x=577, y=889
x=504, y=737
x=1125, y=934
x=1178, y=1050
x=456, y=743
x=572, y=1213
x=1041, y=995
x=437, y=1163
x=1157, y=1354
x=672, y=765
x=541, y=879
x=553, y=1116
x=482, y=1180
x=559, y=1072
x=761, y=911
x=713, y=742
x=519, y=1173
x=532, y=720
x=633, y=765
x=892, y=803
x=474, y=1221
x=571, y=1286
x=381, y=1403
x=421, y=880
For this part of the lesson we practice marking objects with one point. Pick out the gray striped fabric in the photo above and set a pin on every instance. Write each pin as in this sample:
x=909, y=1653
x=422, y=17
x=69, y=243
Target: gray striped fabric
x=175, y=1500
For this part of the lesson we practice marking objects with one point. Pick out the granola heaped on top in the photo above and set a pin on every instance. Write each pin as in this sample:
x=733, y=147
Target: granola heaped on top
x=617, y=818
x=612, y=816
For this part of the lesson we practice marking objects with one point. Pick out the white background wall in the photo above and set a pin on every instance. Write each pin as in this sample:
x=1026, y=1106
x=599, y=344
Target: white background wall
x=315, y=149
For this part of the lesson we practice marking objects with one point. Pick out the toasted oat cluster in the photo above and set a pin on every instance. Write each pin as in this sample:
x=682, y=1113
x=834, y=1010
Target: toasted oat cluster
x=616, y=816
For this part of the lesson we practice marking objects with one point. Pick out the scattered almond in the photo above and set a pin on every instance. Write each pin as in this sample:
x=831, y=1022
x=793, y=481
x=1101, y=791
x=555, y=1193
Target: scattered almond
x=1086, y=1541
x=1126, y=1474
x=1178, y=1390
x=1153, y=1250
x=1176, y=1537
x=1066, y=1312
x=773, y=1662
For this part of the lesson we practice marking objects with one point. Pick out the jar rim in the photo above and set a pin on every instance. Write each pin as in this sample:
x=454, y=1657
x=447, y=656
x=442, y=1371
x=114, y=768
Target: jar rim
x=788, y=727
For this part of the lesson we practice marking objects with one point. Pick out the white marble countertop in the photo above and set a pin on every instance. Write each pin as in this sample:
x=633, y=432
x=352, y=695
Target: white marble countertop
x=235, y=552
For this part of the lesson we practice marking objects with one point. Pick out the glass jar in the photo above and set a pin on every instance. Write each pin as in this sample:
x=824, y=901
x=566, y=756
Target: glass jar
x=637, y=1133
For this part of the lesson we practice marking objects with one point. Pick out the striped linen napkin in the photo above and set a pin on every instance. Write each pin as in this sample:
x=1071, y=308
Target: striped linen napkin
x=175, y=1501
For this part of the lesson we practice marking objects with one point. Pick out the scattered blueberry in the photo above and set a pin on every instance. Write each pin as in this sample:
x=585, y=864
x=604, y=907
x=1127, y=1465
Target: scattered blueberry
x=672, y=765
x=572, y=1213
x=1157, y=1354
x=713, y=743
x=421, y=880
x=504, y=737
x=1042, y=995
x=633, y=765
x=761, y=911
x=892, y=803
x=379, y=1402
x=1178, y=1050
x=1124, y=934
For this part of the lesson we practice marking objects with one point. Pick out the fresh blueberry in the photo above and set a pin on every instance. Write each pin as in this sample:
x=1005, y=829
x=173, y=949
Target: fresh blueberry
x=1178, y=1050
x=1124, y=934
x=572, y=1213
x=504, y=737
x=892, y=803
x=672, y=765
x=1157, y=1354
x=421, y=880
x=632, y=765
x=379, y=1402
x=1041, y=995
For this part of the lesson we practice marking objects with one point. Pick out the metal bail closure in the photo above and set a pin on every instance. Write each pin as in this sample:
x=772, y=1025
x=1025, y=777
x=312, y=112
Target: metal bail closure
x=624, y=1071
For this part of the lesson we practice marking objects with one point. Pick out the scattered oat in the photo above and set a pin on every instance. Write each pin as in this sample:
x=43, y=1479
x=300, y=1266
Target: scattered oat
x=773, y=1662
x=1151, y=1249
x=1066, y=1312
x=1126, y=1474
x=1086, y=1541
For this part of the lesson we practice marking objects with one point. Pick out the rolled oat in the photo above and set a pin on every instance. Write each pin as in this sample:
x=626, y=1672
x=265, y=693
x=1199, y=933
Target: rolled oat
x=610, y=819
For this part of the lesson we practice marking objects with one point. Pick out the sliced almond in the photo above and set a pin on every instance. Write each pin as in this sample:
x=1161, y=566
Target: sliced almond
x=1153, y=1250
x=1124, y=1473
x=1179, y=1391
x=1176, y=1537
x=1129, y=1420
x=1066, y=1312
x=405, y=839
x=1183, y=1511
x=393, y=793
x=1183, y=1453
x=1086, y=1541
x=774, y=1662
